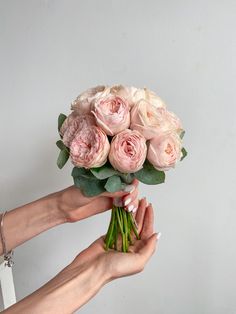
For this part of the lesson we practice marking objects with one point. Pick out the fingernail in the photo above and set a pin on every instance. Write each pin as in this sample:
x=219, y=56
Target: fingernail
x=130, y=208
x=158, y=235
x=129, y=188
x=117, y=201
x=127, y=201
x=135, y=209
x=145, y=201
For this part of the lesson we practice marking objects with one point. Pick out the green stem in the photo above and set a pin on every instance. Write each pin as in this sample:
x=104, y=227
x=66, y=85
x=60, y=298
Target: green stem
x=116, y=235
x=129, y=229
x=125, y=229
x=110, y=232
x=133, y=226
x=122, y=223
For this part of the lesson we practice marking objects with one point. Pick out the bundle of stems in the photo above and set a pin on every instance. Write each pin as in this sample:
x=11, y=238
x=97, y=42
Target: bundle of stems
x=121, y=225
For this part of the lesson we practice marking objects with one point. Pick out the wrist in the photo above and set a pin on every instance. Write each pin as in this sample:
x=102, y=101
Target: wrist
x=52, y=205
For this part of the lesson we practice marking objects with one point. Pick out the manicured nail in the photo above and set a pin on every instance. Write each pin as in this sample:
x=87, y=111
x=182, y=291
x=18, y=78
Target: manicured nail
x=130, y=208
x=117, y=201
x=135, y=209
x=127, y=201
x=145, y=201
x=129, y=188
x=158, y=235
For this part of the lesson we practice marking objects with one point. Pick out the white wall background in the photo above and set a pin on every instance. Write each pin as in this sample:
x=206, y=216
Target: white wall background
x=184, y=50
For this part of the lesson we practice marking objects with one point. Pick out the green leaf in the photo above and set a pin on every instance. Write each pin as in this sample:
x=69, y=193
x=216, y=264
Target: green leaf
x=127, y=177
x=61, y=118
x=62, y=158
x=61, y=145
x=103, y=172
x=113, y=184
x=149, y=175
x=182, y=134
x=87, y=182
x=76, y=172
x=184, y=153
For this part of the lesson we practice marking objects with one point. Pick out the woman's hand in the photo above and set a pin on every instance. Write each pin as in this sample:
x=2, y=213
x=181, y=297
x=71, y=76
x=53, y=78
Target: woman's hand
x=74, y=206
x=116, y=264
x=91, y=270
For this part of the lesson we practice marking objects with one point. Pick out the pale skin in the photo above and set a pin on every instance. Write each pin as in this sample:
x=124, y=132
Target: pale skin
x=76, y=284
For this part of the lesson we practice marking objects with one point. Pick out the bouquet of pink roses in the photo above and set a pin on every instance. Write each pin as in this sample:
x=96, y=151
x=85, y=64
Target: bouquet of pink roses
x=113, y=135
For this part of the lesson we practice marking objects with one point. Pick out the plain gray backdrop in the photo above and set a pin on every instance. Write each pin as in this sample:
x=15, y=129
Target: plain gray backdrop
x=185, y=51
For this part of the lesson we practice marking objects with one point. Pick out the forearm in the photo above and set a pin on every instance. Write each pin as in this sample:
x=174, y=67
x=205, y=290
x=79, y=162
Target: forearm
x=25, y=222
x=64, y=294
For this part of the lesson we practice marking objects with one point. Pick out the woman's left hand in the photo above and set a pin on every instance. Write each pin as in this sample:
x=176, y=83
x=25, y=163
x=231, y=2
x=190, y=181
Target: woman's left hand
x=74, y=206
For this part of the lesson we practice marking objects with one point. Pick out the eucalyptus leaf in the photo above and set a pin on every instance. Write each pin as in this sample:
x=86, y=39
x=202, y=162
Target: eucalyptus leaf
x=62, y=158
x=182, y=134
x=61, y=118
x=184, y=153
x=149, y=175
x=87, y=182
x=127, y=177
x=77, y=172
x=61, y=145
x=103, y=172
x=90, y=186
x=113, y=184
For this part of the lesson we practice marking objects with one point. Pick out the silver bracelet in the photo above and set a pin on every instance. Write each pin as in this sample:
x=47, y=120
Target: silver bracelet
x=6, y=255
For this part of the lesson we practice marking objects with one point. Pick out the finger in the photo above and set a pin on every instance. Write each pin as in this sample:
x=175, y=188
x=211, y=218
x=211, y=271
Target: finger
x=133, y=206
x=140, y=213
x=148, y=222
x=130, y=199
x=147, y=250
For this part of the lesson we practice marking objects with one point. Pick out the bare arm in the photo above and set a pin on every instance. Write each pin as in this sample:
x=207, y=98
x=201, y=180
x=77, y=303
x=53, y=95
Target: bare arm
x=90, y=271
x=68, y=205
x=25, y=222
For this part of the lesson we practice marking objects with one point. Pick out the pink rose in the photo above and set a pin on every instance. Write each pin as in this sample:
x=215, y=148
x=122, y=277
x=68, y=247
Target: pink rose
x=152, y=121
x=149, y=96
x=125, y=92
x=82, y=104
x=112, y=113
x=134, y=95
x=164, y=151
x=67, y=121
x=128, y=151
x=73, y=124
x=89, y=148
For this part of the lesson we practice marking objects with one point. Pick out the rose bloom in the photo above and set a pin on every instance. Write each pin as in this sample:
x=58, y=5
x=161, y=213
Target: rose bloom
x=112, y=113
x=125, y=92
x=89, y=148
x=128, y=151
x=134, y=95
x=164, y=151
x=151, y=121
x=73, y=124
x=82, y=104
x=150, y=96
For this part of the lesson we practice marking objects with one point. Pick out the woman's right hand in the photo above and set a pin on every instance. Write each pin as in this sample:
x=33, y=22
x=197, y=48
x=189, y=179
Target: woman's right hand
x=115, y=264
x=76, y=284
